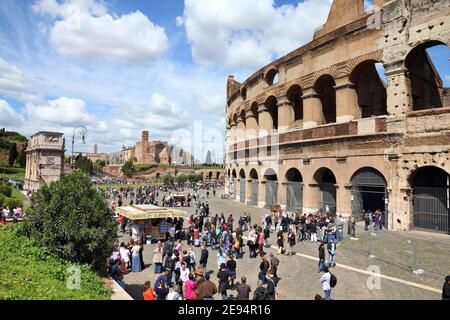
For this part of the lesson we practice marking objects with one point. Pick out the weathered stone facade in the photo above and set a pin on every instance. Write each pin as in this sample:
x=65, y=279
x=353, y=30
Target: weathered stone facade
x=144, y=151
x=45, y=159
x=331, y=134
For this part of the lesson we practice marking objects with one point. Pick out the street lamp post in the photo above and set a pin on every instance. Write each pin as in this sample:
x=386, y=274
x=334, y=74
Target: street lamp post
x=83, y=136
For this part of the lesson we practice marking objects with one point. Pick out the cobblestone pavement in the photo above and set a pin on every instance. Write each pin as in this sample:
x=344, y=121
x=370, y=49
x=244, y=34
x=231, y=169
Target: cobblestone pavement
x=396, y=254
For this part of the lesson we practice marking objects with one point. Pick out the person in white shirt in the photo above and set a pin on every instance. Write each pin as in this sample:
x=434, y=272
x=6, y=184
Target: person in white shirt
x=125, y=255
x=184, y=273
x=325, y=281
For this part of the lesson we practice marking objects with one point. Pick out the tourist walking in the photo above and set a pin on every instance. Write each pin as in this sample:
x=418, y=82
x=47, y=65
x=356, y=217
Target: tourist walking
x=221, y=257
x=271, y=286
x=325, y=281
x=263, y=268
x=321, y=257
x=204, y=257
x=331, y=253
x=231, y=266
x=260, y=292
x=162, y=291
x=189, y=287
x=223, y=276
x=291, y=242
x=206, y=289
x=243, y=289
x=158, y=257
x=274, y=263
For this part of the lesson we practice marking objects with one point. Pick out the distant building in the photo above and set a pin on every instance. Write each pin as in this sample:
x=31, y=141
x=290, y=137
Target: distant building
x=95, y=156
x=144, y=151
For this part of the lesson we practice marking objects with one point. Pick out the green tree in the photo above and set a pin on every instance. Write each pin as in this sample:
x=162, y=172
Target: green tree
x=85, y=165
x=128, y=168
x=22, y=159
x=168, y=179
x=71, y=219
x=12, y=154
x=181, y=178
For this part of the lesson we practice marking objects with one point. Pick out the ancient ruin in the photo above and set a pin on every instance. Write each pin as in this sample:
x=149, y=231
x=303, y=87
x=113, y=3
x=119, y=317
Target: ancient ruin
x=45, y=159
x=144, y=151
x=320, y=129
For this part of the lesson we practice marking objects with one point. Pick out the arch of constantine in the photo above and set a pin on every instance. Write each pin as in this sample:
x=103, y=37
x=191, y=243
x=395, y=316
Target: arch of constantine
x=320, y=129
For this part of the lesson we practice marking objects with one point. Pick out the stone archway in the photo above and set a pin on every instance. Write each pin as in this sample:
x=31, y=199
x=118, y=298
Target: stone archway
x=271, y=185
x=431, y=199
x=294, y=190
x=326, y=180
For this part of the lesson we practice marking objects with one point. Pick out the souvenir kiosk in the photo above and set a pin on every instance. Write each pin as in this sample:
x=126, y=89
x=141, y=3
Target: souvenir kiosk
x=150, y=220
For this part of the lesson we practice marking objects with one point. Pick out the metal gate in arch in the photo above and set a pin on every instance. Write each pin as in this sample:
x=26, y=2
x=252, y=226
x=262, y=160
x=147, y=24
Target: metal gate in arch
x=294, y=196
x=271, y=192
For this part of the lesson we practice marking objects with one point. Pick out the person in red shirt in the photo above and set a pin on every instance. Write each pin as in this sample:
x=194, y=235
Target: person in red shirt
x=149, y=293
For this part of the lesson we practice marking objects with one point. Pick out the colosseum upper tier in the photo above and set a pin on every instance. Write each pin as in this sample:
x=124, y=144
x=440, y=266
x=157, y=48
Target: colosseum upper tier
x=319, y=129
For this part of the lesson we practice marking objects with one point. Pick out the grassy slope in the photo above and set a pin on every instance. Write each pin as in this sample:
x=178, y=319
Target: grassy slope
x=12, y=172
x=29, y=272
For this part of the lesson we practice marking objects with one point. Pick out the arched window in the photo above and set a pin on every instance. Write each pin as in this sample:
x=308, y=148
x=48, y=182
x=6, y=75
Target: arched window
x=427, y=84
x=324, y=87
x=294, y=95
x=371, y=91
x=272, y=105
x=272, y=77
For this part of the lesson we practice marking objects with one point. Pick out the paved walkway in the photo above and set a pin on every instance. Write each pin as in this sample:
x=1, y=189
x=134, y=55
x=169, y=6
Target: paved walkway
x=299, y=277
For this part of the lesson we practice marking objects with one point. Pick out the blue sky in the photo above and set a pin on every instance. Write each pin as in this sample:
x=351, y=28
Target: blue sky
x=119, y=67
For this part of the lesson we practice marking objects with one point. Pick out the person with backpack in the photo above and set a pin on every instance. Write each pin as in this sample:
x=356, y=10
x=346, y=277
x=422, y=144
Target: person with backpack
x=328, y=281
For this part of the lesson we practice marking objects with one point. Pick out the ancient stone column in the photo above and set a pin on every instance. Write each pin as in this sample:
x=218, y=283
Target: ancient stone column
x=312, y=108
x=285, y=114
x=399, y=100
x=265, y=121
x=241, y=130
x=347, y=108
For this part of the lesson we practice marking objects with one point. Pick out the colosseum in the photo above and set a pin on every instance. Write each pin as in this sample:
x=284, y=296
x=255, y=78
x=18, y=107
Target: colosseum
x=320, y=129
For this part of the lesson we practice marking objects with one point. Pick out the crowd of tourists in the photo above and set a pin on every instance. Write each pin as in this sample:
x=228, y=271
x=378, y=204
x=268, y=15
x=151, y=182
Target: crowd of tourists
x=11, y=214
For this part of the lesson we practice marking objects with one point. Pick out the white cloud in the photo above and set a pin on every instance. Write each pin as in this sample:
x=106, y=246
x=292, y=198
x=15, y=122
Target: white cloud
x=13, y=83
x=247, y=33
x=62, y=111
x=84, y=28
x=9, y=117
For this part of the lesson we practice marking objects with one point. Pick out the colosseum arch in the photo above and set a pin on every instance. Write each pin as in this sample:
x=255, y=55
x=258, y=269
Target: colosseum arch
x=244, y=93
x=326, y=180
x=427, y=88
x=272, y=106
x=431, y=199
x=242, y=117
x=294, y=95
x=271, y=185
x=242, y=184
x=370, y=89
x=324, y=87
x=369, y=193
x=271, y=77
x=294, y=190
x=253, y=175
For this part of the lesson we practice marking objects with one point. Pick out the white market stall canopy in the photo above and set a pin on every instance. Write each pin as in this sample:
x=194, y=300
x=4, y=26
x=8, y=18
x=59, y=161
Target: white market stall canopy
x=144, y=212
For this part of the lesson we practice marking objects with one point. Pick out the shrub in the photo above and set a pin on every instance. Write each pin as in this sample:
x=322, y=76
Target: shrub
x=2, y=199
x=6, y=190
x=128, y=168
x=71, y=219
x=12, y=203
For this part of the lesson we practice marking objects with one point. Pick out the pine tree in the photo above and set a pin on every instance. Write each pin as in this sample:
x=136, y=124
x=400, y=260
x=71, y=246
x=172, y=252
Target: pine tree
x=12, y=154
